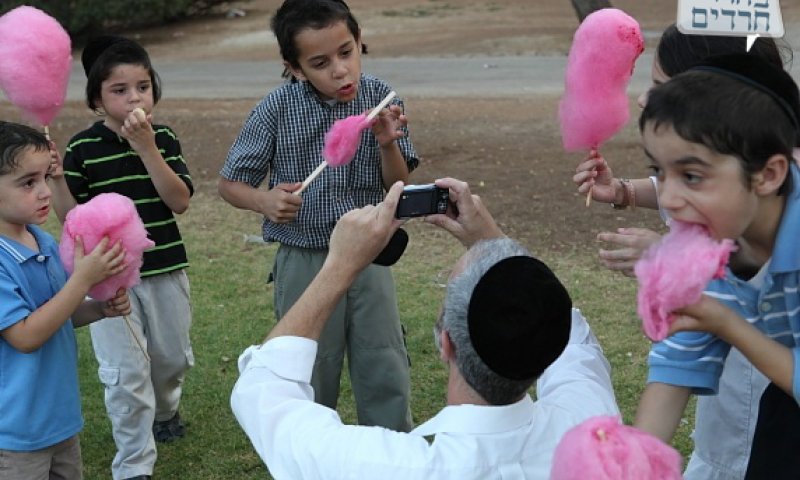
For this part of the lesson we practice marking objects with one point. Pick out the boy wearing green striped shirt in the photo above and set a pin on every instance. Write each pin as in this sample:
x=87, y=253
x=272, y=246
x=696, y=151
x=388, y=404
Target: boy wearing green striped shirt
x=126, y=154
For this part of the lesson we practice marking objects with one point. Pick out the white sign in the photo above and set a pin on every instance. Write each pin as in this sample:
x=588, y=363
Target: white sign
x=737, y=18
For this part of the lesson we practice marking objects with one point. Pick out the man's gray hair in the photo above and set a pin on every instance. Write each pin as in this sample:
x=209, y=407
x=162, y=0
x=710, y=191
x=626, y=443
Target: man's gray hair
x=490, y=386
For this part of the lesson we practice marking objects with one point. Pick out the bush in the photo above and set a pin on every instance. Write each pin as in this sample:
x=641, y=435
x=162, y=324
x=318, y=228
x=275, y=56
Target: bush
x=84, y=17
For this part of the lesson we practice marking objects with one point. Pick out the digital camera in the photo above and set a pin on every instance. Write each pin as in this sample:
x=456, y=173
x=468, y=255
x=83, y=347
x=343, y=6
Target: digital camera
x=421, y=200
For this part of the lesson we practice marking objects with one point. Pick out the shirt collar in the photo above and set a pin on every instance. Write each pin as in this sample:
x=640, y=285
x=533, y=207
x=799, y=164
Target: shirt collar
x=786, y=255
x=478, y=419
x=20, y=252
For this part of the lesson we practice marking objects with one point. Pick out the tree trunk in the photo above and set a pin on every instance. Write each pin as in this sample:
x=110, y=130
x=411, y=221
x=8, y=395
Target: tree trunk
x=584, y=7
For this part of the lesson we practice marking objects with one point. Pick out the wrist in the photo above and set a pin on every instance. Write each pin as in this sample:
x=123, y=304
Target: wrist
x=624, y=194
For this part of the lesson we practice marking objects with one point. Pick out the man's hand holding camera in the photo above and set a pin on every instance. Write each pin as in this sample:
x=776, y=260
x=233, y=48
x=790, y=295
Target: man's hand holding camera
x=467, y=218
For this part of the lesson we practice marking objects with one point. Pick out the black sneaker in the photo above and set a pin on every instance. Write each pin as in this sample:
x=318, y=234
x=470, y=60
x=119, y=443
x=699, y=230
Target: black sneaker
x=169, y=430
x=139, y=477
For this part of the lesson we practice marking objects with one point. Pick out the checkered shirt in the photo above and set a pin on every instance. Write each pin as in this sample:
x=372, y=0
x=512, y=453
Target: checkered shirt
x=283, y=138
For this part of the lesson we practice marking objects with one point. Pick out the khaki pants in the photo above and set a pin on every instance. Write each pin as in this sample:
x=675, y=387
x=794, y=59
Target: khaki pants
x=62, y=461
x=137, y=392
x=365, y=325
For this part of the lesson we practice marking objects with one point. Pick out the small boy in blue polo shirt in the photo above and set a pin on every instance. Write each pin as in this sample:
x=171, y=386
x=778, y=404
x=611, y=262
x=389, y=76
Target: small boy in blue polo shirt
x=719, y=138
x=40, y=411
x=281, y=142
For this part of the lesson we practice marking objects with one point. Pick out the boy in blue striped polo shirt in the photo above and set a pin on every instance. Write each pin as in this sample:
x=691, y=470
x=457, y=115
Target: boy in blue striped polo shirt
x=720, y=140
x=282, y=140
x=127, y=154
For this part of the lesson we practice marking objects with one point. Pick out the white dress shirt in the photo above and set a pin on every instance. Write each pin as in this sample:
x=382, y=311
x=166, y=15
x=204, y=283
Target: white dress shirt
x=299, y=439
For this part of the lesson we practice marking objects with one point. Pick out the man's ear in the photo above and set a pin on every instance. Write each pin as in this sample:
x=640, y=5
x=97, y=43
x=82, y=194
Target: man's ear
x=448, y=351
x=296, y=71
x=769, y=179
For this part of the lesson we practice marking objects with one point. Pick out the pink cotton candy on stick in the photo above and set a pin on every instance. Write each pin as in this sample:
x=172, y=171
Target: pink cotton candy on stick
x=600, y=64
x=602, y=448
x=35, y=62
x=674, y=272
x=106, y=215
x=341, y=141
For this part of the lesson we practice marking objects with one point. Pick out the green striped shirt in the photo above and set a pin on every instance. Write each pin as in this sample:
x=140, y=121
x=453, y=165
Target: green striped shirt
x=100, y=161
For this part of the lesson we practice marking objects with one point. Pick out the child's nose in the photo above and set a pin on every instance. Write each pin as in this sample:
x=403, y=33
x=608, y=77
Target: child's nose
x=340, y=69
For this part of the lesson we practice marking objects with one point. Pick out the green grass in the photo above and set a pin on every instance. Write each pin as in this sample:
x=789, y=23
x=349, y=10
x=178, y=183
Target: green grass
x=232, y=307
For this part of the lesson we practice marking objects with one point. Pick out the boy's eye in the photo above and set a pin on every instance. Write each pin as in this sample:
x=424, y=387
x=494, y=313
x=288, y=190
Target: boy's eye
x=347, y=52
x=117, y=91
x=144, y=87
x=692, y=178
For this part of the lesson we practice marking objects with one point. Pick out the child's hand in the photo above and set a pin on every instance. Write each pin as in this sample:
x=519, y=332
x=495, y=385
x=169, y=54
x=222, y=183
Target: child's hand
x=118, y=306
x=280, y=205
x=707, y=315
x=99, y=264
x=138, y=131
x=595, y=173
x=388, y=124
x=56, y=170
x=633, y=242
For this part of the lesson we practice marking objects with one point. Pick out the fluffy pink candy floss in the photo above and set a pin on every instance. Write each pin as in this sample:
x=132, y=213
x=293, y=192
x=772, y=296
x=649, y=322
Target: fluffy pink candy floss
x=602, y=448
x=107, y=215
x=595, y=105
x=341, y=141
x=673, y=273
x=35, y=62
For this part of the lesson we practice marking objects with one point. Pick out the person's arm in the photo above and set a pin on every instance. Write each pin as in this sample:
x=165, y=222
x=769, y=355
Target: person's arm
x=388, y=130
x=359, y=236
x=595, y=174
x=91, y=311
x=62, y=198
x=631, y=243
x=660, y=410
x=467, y=218
x=774, y=360
x=139, y=133
x=30, y=333
x=580, y=379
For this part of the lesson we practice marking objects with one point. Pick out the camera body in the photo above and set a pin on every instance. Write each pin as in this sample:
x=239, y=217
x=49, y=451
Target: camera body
x=421, y=200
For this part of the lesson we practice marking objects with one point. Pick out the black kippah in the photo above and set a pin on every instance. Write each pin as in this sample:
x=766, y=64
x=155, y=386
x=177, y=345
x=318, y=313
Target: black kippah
x=96, y=46
x=519, y=318
x=761, y=75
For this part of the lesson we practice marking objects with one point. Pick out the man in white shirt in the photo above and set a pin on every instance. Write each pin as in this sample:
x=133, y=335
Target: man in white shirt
x=506, y=323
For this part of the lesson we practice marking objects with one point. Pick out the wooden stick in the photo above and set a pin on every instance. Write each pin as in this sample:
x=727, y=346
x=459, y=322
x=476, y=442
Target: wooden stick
x=47, y=132
x=374, y=113
x=592, y=153
x=136, y=337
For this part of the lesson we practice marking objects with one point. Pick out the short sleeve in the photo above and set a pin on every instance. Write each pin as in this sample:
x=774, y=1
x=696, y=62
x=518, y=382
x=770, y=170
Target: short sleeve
x=689, y=359
x=13, y=306
x=251, y=154
x=174, y=157
x=75, y=174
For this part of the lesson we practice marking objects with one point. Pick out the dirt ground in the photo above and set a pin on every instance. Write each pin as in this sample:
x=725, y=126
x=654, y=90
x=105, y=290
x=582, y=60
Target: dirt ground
x=507, y=148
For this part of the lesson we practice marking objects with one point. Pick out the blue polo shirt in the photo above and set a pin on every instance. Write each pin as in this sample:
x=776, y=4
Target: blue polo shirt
x=695, y=359
x=39, y=398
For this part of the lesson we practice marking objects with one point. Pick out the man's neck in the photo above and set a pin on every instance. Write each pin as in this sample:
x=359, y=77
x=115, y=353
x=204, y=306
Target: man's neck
x=458, y=390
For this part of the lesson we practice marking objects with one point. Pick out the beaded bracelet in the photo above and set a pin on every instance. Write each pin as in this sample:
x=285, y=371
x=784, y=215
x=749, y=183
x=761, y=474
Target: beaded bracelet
x=628, y=195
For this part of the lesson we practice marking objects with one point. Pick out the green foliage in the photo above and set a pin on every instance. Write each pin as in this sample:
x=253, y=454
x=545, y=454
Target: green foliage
x=84, y=17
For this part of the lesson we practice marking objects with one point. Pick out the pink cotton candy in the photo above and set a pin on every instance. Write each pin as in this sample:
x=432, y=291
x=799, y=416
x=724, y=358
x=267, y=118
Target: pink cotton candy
x=107, y=215
x=35, y=62
x=602, y=448
x=595, y=105
x=341, y=141
x=674, y=272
